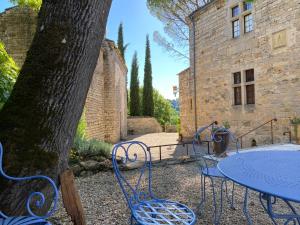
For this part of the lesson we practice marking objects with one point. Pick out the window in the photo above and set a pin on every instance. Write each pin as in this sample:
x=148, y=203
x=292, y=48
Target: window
x=248, y=23
x=237, y=95
x=248, y=6
x=249, y=75
x=237, y=89
x=235, y=11
x=250, y=89
x=250, y=94
x=237, y=78
x=244, y=87
x=236, y=28
x=242, y=19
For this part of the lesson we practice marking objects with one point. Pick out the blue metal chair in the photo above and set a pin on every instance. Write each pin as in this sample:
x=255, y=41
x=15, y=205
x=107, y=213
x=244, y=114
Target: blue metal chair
x=145, y=208
x=208, y=168
x=36, y=197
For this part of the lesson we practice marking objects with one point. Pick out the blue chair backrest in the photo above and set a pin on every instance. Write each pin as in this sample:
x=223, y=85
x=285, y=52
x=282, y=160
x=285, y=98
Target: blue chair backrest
x=133, y=152
x=207, y=160
x=37, y=197
x=197, y=145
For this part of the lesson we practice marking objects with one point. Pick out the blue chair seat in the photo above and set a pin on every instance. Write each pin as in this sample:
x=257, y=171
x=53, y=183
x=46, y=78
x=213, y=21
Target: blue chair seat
x=159, y=211
x=23, y=220
x=212, y=171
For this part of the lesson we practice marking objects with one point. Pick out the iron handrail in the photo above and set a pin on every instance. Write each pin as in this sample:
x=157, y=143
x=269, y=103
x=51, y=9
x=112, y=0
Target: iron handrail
x=240, y=138
x=183, y=144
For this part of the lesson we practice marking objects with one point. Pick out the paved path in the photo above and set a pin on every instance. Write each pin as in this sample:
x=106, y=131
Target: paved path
x=179, y=151
x=167, y=152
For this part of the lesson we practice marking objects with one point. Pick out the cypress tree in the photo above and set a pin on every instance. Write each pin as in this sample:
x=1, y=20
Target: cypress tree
x=148, y=105
x=122, y=48
x=134, y=87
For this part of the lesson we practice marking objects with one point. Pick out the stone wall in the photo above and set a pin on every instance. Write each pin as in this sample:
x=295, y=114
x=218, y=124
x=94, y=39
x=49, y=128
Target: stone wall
x=186, y=103
x=17, y=28
x=143, y=125
x=106, y=103
x=272, y=50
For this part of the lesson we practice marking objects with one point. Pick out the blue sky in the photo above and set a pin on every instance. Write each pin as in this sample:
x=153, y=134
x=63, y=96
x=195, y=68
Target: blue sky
x=138, y=22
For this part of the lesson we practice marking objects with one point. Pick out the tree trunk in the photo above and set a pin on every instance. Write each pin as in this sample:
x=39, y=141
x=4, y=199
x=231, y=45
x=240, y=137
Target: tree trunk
x=39, y=121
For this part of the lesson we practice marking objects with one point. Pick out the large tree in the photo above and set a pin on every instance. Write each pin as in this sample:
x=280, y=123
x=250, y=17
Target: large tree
x=135, y=107
x=148, y=105
x=39, y=120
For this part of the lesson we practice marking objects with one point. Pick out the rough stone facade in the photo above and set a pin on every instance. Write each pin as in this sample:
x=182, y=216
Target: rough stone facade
x=143, y=125
x=272, y=49
x=106, y=103
x=186, y=96
x=17, y=28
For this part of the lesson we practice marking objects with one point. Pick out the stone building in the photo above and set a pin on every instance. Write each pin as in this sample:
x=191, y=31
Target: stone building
x=244, y=67
x=17, y=26
x=106, y=103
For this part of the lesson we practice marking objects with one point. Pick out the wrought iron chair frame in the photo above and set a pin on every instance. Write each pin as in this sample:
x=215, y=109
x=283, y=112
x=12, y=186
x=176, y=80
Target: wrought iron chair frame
x=145, y=207
x=39, y=200
x=212, y=172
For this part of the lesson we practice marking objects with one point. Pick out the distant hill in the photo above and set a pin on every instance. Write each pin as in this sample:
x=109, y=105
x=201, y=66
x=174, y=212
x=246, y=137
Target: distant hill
x=175, y=104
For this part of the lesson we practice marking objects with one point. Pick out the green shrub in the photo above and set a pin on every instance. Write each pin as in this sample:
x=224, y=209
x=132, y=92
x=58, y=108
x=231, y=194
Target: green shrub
x=80, y=133
x=295, y=121
x=84, y=149
x=8, y=74
x=226, y=124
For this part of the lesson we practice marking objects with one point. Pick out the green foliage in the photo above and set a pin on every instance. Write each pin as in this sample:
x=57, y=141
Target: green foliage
x=295, y=121
x=83, y=149
x=173, y=14
x=34, y=4
x=8, y=74
x=81, y=126
x=178, y=125
x=226, y=124
x=174, y=120
x=122, y=48
x=163, y=110
x=135, y=107
x=148, y=104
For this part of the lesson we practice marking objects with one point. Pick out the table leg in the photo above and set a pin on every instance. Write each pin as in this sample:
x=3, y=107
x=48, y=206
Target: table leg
x=245, y=208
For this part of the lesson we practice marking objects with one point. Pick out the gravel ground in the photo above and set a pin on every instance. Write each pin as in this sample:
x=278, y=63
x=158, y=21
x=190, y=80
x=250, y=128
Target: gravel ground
x=105, y=204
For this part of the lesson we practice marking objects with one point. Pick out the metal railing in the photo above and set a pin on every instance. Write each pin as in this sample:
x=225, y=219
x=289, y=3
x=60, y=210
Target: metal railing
x=185, y=144
x=240, y=138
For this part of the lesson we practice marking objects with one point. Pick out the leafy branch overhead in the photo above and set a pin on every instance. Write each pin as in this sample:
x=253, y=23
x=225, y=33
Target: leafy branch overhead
x=173, y=14
x=8, y=74
x=34, y=4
